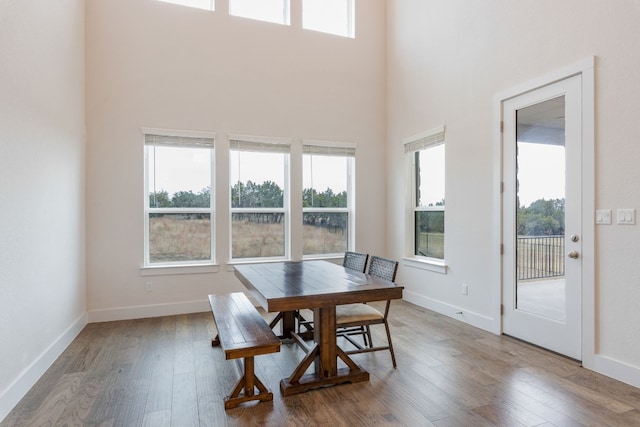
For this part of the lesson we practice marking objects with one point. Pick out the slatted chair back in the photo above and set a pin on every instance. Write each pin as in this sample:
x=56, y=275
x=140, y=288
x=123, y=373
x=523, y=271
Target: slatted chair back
x=356, y=319
x=383, y=268
x=355, y=261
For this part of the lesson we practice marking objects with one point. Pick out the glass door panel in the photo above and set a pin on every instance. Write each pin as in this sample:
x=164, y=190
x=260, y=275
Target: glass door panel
x=540, y=216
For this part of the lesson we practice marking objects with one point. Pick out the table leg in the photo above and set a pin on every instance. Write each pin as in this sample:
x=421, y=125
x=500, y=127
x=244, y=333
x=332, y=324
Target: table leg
x=288, y=323
x=326, y=364
x=325, y=355
x=288, y=319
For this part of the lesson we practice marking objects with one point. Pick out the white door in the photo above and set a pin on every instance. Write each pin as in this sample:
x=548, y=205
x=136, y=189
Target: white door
x=542, y=217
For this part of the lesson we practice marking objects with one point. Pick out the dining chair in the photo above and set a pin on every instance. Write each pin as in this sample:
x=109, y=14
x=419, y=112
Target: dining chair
x=352, y=260
x=356, y=319
x=355, y=261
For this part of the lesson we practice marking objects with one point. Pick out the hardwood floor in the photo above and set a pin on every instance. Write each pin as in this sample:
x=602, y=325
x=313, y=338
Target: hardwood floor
x=164, y=372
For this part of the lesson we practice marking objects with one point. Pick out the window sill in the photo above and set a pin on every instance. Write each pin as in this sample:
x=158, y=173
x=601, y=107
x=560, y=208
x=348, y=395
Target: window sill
x=428, y=264
x=165, y=270
x=330, y=258
x=230, y=264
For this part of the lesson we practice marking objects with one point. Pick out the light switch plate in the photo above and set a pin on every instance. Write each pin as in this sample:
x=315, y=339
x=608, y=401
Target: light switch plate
x=603, y=216
x=626, y=216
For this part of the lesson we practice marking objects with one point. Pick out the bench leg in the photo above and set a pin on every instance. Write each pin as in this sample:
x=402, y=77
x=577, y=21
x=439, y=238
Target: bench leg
x=248, y=382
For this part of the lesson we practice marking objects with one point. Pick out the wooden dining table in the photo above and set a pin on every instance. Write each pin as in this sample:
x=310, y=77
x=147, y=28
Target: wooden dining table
x=285, y=287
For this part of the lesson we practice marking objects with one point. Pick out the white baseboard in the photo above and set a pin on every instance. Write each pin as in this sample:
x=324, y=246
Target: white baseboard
x=10, y=397
x=474, y=319
x=144, y=311
x=604, y=365
x=615, y=369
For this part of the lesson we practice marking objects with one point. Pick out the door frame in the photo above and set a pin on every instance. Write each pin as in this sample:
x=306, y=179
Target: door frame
x=563, y=336
x=586, y=69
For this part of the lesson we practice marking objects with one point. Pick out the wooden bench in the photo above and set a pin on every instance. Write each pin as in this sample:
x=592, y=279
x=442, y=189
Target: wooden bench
x=242, y=332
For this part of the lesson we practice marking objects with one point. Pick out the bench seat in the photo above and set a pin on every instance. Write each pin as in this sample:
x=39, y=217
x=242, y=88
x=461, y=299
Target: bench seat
x=242, y=333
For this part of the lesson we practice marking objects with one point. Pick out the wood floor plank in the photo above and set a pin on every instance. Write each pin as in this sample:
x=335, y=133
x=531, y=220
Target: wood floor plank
x=184, y=408
x=157, y=419
x=164, y=372
x=583, y=392
x=107, y=403
x=606, y=386
x=563, y=401
x=56, y=402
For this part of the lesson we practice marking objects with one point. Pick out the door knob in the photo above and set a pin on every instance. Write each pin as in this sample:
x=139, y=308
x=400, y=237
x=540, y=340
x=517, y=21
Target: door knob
x=573, y=254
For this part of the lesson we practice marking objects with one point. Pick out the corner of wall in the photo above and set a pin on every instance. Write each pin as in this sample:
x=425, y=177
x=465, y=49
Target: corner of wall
x=10, y=397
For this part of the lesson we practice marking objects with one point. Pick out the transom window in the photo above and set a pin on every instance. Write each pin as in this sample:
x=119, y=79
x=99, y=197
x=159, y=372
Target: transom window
x=427, y=155
x=259, y=197
x=276, y=11
x=327, y=197
x=199, y=4
x=329, y=16
x=179, y=212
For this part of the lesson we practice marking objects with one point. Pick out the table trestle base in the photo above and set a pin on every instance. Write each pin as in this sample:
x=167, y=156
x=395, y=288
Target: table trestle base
x=313, y=381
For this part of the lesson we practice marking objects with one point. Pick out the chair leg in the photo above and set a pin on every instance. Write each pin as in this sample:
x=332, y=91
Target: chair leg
x=393, y=356
x=360, y=331
x=367, y=336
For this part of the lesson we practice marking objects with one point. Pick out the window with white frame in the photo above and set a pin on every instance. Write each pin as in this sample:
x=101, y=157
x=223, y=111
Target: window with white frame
x=259, y=169
x=276, y=11
x=179, y=210
x=329, y=16
x=426, y=153
x=327, y=198
x=198, y=4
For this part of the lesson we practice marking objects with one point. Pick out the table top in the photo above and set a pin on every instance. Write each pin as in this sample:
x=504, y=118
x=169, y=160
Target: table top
x=293, y=285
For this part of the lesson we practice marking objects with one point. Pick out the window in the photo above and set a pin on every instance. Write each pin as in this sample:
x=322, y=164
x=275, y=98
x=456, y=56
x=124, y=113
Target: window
x=329, y=16
x=276, y=11
x=427, y=155
x=199, y=4
x=179, y=213
x=259, y=197
x=327, y=197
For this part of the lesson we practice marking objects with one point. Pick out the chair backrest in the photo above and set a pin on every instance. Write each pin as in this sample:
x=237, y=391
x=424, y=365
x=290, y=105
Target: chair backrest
x=355, y=261
x=383, y=268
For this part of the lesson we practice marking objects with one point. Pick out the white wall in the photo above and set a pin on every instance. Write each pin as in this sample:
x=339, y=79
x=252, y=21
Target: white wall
x=42, y=264
x=152, y=64
x=159, y=65
x=447, y=59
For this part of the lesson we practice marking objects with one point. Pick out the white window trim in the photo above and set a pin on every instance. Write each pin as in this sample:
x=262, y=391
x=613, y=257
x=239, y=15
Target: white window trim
x=429, y=264
x=429, y=138
x=178, y=133
x=351, y=29
x=210, y=7
x=330, y=144
x=179, y=267
x=351, y=22
x=422, y=140
x=259, y=139
x=286, y=10
x=286, y=14
x=351, y=197
x=168, y=270
x=285, y=200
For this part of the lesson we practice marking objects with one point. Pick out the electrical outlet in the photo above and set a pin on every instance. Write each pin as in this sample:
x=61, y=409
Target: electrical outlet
x=465, y=289
x=148, y=286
